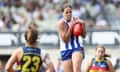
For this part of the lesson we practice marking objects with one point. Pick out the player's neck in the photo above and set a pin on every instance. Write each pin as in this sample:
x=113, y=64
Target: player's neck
x=29, y=45
x=67, y=20
x=99, y=58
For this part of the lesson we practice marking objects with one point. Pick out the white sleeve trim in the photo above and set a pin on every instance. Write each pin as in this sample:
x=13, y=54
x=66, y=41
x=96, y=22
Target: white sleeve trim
x=43, y=54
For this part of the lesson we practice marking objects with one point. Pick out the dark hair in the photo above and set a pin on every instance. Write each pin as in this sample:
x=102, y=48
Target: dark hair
x=101, y=46
x=66, y=5
x=31, y=34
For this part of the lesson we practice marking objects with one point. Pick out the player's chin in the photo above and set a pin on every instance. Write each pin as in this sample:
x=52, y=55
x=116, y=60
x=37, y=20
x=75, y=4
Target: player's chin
x=69, y=18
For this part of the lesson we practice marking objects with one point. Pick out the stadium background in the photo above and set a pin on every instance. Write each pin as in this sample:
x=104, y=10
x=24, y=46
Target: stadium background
x=101, y=16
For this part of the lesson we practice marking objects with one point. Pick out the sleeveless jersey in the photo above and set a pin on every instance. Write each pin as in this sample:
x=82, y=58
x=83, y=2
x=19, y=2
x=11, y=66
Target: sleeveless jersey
x=75, y=42
x=99, y=66
x=30, y=61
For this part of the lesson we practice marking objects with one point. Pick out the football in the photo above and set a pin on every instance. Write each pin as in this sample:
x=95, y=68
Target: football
x=77, y=29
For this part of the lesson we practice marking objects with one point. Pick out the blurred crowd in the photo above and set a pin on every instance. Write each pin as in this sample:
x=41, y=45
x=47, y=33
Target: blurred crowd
x=15, y=15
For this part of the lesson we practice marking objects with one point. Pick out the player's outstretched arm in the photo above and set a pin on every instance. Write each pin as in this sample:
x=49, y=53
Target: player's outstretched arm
x=49, y=64
x=111, y=68
x=10, y=63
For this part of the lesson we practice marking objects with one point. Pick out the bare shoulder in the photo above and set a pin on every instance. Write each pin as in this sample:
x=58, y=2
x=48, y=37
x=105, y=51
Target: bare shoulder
x=61, y=22
x=18, y=51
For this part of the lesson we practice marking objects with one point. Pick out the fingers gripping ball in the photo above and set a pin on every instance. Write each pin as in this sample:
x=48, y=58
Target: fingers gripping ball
x=77, y=29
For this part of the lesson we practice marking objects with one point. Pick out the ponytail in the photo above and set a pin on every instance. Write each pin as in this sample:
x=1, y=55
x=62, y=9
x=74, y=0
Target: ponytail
x=31, y=34
x=107, y=55
x=32, y=26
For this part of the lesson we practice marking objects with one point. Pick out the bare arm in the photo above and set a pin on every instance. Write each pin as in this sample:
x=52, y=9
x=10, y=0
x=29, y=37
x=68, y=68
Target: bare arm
x=64, y=31
x=88, y=65
x=84, y=31
x=111, y=68
x=49, y=64
x=83, y=24
x=11, y=62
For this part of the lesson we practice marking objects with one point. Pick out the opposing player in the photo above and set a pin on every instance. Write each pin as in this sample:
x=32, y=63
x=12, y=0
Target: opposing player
x=72, y=50
x=100, y=63
x=29, y=58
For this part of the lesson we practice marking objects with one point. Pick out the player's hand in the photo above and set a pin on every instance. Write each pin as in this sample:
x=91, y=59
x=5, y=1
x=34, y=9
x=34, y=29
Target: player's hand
x=79, y=21
x=71, y=23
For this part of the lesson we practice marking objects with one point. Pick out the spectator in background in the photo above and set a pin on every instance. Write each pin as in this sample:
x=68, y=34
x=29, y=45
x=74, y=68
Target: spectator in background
x=108, y=6
x=101, y=23
x=2, y=21
x=78, y=9
x=117, y=65
x=30, y=9
x=93, y=8
x=44, y=12
x=90, y=23
x=113, y=17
